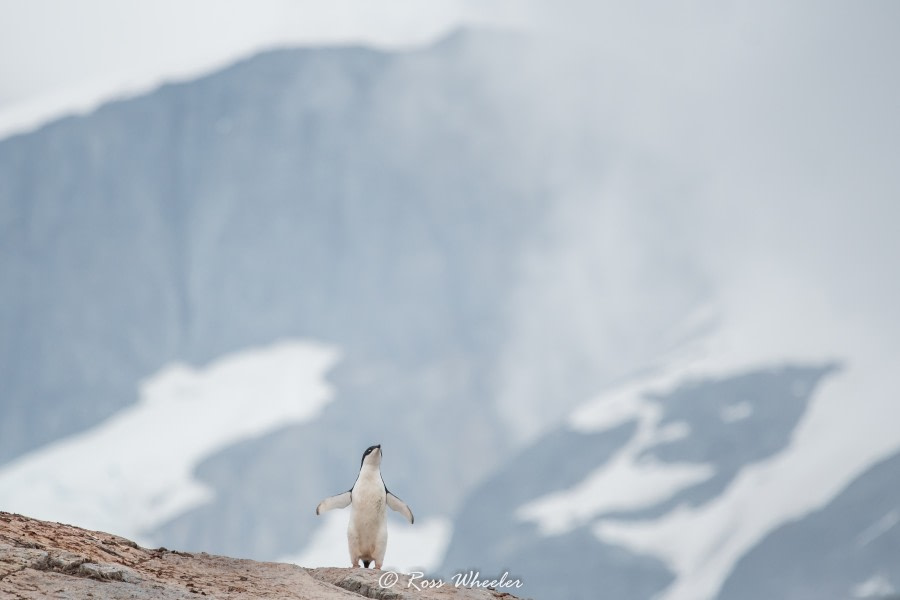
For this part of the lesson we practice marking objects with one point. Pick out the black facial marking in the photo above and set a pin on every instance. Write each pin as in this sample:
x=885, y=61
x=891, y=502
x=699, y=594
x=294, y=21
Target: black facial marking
x=367, y=452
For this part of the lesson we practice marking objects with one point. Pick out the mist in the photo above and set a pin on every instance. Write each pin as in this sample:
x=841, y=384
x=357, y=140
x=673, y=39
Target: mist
x=715, y=159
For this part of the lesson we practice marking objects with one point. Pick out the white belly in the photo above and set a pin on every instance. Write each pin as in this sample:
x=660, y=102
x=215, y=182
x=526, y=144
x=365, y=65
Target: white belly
x=367, y=530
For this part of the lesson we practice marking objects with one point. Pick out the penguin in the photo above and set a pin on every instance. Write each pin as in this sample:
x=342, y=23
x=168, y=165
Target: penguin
x=367, y=530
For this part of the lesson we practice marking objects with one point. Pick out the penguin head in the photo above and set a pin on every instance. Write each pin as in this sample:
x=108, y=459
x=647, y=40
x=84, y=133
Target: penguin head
x=371, y=457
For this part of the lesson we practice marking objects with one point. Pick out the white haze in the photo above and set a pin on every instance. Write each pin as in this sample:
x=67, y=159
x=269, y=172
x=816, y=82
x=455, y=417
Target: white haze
x=723, y=160
x=59, y=58
x=734, y=207
x=713, y=163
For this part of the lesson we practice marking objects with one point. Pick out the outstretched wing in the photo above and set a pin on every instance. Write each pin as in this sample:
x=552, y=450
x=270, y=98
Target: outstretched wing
x=339, y=501
x=400, y=506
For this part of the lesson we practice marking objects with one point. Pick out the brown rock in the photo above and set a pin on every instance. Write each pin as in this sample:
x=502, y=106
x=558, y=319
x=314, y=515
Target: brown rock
x=39, y=559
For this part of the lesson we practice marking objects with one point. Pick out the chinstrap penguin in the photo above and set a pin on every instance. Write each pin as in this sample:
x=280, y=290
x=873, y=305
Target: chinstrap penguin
x=367, y=530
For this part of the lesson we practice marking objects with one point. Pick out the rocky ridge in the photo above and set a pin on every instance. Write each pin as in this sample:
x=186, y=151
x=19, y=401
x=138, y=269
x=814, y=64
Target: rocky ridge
x=39, y=559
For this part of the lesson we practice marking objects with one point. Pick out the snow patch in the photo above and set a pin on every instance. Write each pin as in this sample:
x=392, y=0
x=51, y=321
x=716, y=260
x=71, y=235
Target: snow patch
x=617, y=406
x=418, y=547
x=876, y=586
x=673, y=432
x=879, y=528
x=701, y=544
x=736, y=412
x=623, y=485
x=133, y=472
x=627, y=482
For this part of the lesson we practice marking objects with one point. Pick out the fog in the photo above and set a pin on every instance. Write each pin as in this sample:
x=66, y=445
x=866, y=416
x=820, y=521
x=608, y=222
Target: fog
x=730, y=159
x=59, y=58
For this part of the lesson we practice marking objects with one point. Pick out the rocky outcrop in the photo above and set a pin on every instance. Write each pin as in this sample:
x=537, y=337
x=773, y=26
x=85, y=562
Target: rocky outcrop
x=39, y=559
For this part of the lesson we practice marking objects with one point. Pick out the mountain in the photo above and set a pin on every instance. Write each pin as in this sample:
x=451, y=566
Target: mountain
x=396, y=209
x=615, y=316
x=846, y=549
x=682, y=486
x=666, y=450
x=339, y=197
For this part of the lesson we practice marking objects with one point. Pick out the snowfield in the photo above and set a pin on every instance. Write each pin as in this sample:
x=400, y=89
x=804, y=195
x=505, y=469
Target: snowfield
x=703, y=544
x=133, y=472
x=850, y=424
x=627, y=482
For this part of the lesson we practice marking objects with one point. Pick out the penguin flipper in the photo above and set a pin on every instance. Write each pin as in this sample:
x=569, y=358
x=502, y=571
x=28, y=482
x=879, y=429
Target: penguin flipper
x=339, y=501
x=400, y=506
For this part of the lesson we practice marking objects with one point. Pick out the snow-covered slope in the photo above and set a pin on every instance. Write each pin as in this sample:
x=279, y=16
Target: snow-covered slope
x=708, y=456
x=134, y=471
x=846, y=549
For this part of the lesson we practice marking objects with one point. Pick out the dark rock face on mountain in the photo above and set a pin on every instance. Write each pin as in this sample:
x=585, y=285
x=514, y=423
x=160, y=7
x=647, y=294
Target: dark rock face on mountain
x=847, y=549
x=399, y=207
x=728, y=424
x=733, y=422
x=376, y=202
x=50, y=560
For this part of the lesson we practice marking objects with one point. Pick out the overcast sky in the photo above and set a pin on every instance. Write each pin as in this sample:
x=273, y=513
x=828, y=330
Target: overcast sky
x=60, y=56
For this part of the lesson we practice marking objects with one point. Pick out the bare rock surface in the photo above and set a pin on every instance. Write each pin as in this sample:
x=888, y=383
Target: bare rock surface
x=39, y=559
